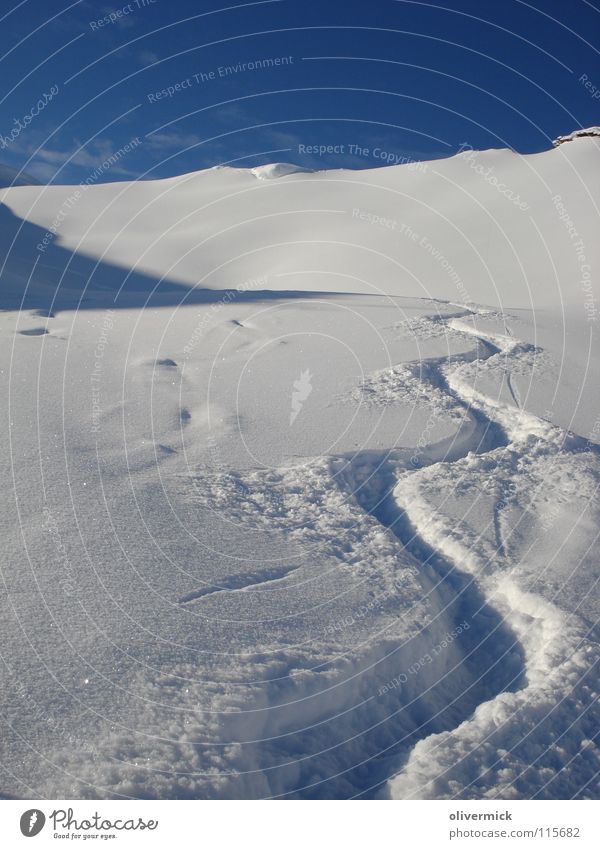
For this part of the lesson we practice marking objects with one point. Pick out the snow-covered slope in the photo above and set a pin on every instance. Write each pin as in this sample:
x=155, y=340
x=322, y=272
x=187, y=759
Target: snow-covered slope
x=453, y=228
x=302, y=474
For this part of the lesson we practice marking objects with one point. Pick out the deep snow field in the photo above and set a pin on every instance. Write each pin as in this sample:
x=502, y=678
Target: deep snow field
x=300, y=479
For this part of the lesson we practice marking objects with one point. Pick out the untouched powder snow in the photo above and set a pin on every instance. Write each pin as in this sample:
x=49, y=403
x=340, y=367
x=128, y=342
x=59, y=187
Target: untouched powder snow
x=303, y=474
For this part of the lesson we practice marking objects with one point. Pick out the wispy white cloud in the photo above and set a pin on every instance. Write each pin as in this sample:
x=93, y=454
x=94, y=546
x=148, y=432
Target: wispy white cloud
x=89, y=157
x=42, y=171
x=173, y=140
x=147, y=57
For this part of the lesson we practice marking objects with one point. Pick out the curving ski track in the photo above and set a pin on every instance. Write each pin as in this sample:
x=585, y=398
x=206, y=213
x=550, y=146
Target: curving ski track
x=553, y=652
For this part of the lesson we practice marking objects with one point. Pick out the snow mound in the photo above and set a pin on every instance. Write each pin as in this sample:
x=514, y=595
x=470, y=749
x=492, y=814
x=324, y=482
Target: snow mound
x=278, y=169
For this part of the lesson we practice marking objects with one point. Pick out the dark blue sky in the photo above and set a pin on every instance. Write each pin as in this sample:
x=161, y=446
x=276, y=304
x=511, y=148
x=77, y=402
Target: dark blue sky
x=399, y=78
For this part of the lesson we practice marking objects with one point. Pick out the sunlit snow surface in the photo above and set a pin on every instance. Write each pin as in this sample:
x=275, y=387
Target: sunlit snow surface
x=288, y=512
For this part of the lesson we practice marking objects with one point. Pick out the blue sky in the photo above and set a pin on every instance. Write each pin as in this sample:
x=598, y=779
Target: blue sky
x=322, y=83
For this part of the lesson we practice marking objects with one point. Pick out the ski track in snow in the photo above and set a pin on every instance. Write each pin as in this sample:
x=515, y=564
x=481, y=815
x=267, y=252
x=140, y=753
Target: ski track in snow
x=557, y=658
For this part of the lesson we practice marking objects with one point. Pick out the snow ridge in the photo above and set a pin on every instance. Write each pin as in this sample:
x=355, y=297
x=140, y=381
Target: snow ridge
x=511, y=695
